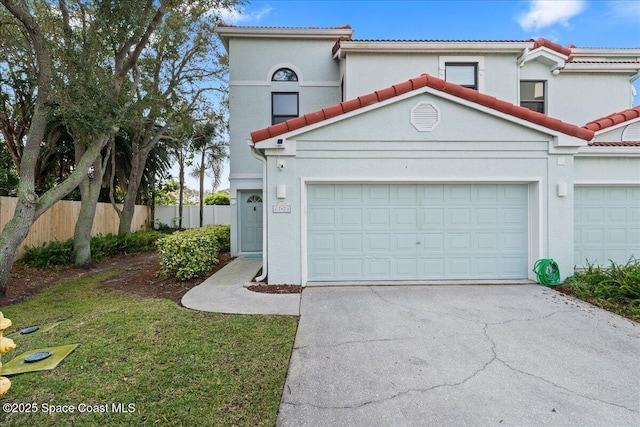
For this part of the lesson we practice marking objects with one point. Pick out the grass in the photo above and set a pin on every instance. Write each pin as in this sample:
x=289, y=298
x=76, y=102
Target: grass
x=176, y=366
x=615, y=288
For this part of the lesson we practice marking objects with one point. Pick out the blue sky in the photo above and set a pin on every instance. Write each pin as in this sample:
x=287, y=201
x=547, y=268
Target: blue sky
x=583, y=23
x=599, y=23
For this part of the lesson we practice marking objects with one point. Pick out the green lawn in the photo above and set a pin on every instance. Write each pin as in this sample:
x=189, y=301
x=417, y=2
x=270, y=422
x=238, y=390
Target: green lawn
x=175, y=366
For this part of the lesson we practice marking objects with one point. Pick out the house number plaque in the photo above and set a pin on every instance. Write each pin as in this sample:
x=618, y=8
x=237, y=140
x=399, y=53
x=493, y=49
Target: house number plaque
x=281, y=207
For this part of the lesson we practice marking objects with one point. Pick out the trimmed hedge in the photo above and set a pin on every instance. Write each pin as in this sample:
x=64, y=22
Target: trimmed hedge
x=61, y=253
x=192, y=253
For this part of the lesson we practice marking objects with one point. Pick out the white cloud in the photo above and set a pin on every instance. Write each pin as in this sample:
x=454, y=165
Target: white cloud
x=545, y=13
x=625, y=9
x=235, y=15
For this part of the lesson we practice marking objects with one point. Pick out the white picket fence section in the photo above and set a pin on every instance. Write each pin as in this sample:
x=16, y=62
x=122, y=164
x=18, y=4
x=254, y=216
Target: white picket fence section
x=212, y=215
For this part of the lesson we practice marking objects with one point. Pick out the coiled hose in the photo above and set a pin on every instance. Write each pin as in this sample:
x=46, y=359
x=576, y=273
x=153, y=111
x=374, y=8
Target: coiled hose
x=547, y=272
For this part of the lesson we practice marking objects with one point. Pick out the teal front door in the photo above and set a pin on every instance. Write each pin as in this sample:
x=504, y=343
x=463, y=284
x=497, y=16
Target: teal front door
x=251, y=221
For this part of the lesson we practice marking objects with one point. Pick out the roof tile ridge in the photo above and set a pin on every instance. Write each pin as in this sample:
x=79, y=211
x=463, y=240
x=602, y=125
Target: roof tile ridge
x=613, y=119
x=542, y=42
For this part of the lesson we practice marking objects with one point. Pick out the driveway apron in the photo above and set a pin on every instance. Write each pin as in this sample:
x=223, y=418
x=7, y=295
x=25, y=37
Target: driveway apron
x=459, y=355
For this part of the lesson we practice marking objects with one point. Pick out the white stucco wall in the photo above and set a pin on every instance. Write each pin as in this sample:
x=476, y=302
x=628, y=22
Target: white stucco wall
x=467, y=146
x=579, y=98
x=366, y=73
x=252, y=62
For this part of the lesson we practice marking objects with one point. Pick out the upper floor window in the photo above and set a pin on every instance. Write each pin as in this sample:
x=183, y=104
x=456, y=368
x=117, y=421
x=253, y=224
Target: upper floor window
x=284, y=75
x=532, y=96
x=284, y=106
x=463, y=74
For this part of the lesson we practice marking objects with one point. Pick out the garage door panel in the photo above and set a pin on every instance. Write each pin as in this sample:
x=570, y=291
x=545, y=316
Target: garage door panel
x=512, y=242
x=458, y=242
x=320, y=195
x=432, y=268
x=404, y=242
x=349, y=219
x=459, y=217
x=417, y=232
x=404, y=268
x=350, y=243
x=404, y=218
x=322, y=269
x=486, y=242
x=432, y=217
x=405, y=195
x=377, y=218
x=322, y=243
x=458, y=267
x=432, y=242
x=607, y=224
x=486, y=217
x=378, y=242
x=378, y=268
x=322, y=218
x=349, y=195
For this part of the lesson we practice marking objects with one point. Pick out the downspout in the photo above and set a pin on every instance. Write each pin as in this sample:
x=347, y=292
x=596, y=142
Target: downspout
x=257, y=154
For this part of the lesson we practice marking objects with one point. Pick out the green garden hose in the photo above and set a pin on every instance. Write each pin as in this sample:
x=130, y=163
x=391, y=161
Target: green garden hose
x=547, y=272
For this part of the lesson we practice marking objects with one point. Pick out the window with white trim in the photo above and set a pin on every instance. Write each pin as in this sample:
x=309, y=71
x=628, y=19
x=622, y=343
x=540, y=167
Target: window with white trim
x=532, y=95
x=284, y=106
x=462, y=73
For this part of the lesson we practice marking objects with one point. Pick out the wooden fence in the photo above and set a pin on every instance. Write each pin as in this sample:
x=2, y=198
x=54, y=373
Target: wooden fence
x=59, y=222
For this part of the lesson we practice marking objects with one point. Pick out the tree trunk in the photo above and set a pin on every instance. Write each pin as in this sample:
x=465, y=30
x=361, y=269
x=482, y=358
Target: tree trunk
x=139, y=159
x=13, y=234
x=90, y=193
x=181, y=195
x=202, y=187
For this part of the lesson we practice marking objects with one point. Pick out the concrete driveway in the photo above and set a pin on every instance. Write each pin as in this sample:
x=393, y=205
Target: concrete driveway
x=459, y=355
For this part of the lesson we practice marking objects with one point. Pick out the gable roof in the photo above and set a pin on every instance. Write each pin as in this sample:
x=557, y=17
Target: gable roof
x=417, y=83
x=613, y=119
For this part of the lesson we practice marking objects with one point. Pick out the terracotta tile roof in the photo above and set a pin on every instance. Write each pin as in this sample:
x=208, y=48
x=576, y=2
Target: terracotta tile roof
x=614, y=144
x=613, y=119
x=424, y=80
x=542, y=42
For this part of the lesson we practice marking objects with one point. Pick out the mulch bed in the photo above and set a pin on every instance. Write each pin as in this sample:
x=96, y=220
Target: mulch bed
x=140, y=276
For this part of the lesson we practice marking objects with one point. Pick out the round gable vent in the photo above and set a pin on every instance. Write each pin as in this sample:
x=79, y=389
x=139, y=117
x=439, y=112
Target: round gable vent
x=425, y=116
x=631, y=133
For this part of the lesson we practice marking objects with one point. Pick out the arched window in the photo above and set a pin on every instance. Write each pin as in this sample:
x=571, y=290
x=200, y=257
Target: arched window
x=284, y=75
x=254, y=199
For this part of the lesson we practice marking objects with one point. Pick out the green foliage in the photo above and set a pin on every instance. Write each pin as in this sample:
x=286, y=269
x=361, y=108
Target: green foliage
x=61, y=253
x=217, y=199
x=8, y=175
x=616, y=285
x=49, y=254
x=192, y=253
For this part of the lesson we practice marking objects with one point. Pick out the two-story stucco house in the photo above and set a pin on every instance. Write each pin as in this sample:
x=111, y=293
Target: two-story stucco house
x=420, y=160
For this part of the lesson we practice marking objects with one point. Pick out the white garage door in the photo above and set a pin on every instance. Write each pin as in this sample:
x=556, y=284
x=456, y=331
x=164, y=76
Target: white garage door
x=417, y=232
x=607, y=224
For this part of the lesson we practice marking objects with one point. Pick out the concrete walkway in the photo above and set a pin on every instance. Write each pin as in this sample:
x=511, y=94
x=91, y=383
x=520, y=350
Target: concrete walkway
x=225, y=292
x=459, y=356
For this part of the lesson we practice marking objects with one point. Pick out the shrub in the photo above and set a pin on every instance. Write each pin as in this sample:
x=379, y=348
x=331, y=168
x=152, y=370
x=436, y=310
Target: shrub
x=49, y=254
x=191, y=253
x=102, y=247
x=615, y=283
x=217, y=199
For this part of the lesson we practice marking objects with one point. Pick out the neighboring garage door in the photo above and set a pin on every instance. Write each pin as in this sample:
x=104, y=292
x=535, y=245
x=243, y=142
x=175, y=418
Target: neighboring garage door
x=607, y=224
x=417, y=232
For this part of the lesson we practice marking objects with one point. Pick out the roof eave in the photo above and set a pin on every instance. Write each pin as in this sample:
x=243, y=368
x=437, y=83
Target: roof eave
x=382, y=46
x=574, y=67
